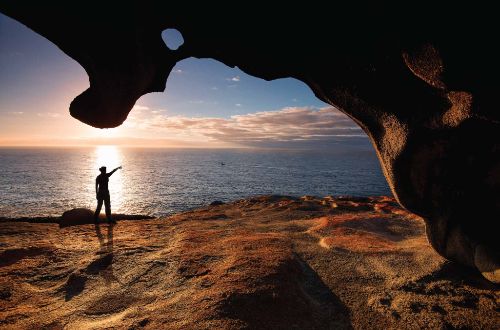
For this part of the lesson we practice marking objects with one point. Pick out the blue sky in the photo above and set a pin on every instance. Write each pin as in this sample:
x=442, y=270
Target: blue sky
x=205, y=102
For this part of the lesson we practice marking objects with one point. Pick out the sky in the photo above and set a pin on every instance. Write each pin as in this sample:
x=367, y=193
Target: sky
x=206, y=103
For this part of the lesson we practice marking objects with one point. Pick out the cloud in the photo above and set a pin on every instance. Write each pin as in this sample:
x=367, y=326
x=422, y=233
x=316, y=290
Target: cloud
x=179, y=71
x=16, y=113
x=238, y=104
x=235, y=79
x=49, y=114
x=139, y=107
x=285, y=125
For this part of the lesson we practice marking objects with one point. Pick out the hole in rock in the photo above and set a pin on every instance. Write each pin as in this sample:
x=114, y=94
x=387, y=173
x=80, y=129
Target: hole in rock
x=223, y=134
x=172, y=38
x=278, y=138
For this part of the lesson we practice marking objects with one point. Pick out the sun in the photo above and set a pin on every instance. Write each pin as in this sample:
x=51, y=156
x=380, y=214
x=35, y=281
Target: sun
x=108, y=155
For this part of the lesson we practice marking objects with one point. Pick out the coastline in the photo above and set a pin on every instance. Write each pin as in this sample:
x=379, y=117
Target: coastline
x=122, y=216
x=261, y=262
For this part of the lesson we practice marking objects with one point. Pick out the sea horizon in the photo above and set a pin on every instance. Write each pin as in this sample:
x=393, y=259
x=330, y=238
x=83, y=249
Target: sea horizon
x=46, y=180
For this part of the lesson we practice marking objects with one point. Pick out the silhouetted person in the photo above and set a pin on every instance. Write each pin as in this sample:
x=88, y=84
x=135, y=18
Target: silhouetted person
x=102, y=193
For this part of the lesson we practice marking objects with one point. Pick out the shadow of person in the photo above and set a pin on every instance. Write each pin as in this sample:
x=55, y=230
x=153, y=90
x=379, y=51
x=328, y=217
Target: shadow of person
x=103, y=265
x=105, y=244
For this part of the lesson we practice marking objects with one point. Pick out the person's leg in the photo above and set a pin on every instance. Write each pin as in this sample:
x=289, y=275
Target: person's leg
x=98, y=209
x=107, y=205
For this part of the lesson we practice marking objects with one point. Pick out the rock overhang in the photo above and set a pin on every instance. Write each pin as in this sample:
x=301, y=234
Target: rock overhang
x=421, y=84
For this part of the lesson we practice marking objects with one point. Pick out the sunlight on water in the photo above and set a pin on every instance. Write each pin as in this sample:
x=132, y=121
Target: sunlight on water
x=111, y=157
x=49, y=181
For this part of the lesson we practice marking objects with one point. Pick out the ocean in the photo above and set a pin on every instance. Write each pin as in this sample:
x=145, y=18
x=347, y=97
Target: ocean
x=49, y=181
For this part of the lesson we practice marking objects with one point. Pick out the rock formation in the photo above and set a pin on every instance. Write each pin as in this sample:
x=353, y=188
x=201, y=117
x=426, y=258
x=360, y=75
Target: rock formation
x=82, y=216
x=78, y=216
x=420, y=81
x=266, y=262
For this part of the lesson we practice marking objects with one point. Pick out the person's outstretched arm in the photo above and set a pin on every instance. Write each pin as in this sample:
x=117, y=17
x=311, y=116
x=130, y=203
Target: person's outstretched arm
x=113, y=171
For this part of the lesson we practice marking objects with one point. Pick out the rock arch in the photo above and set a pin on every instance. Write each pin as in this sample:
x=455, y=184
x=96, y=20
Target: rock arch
x=422, y=84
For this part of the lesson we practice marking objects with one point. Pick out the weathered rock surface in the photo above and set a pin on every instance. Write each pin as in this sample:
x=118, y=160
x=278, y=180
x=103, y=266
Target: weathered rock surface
x=422, y=82
x=262, y=263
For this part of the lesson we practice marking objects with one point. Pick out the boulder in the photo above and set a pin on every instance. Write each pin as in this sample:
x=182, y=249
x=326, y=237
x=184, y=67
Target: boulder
x=78, y=216
x=83, y=216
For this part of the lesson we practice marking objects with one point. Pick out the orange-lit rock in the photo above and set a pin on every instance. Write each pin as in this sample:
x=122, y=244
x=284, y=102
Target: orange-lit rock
x=264, y=262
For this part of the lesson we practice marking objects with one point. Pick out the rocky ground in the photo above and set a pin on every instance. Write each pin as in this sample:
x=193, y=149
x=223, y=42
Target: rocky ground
x=265, y=262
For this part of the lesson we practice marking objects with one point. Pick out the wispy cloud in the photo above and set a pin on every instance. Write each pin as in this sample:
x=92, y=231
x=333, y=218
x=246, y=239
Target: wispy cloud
x=292, y=127
x=15, y=113
x=139, y=107
x=178, y=71
x=49, y=114
x=285, y=125
x=238, y=104
x=235, y=79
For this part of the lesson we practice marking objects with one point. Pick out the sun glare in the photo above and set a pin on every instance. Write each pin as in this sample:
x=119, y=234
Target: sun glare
x=109, y=156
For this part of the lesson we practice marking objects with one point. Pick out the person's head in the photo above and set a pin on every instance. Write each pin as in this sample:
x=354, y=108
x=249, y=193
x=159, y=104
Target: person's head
x=102, y=169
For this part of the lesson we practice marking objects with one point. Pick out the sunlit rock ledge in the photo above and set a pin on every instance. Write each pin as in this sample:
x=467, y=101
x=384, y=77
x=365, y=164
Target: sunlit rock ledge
x=264, y=262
